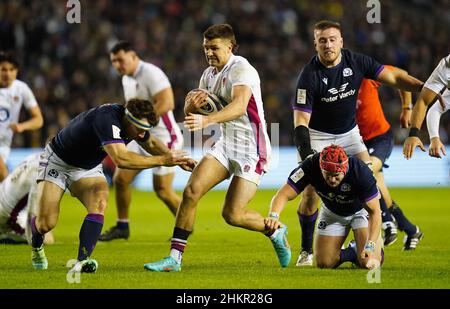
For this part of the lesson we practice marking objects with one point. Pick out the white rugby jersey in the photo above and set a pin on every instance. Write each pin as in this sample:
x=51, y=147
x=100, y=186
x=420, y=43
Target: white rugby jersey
x=440, y=78
x=147, y=81
x=438, y=82
x=435, y=112
x=247, y=133
x=15, y=189
x=11, y=101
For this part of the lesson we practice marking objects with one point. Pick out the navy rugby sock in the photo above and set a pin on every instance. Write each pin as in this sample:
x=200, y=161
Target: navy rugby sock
x=89, y=234
x=122, y=225
x=403, y=223
x=347, y=255
x=385, y=213
x=37, y=239
x=307, y=224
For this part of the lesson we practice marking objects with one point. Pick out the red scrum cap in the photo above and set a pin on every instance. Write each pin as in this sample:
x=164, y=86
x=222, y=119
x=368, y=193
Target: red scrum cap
x=334, y=159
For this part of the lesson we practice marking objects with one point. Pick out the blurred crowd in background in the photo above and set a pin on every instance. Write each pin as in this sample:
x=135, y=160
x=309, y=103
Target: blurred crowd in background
x=68, y=68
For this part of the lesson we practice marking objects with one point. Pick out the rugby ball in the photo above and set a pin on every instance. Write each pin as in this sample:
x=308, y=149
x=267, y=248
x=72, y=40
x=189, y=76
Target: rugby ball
x=213, y=105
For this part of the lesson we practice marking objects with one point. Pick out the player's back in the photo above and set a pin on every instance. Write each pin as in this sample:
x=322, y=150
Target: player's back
x=79, y=143
x=369, y=114
x=19, y=182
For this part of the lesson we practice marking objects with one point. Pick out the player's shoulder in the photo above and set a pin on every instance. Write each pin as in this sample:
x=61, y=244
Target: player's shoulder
x=310, y=68
x=444, y=64
x=20, y=85
x=241, y=63
x=150, y=67
x=108, y=111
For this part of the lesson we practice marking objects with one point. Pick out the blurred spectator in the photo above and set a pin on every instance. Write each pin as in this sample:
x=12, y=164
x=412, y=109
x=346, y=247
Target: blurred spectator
x=68, y=68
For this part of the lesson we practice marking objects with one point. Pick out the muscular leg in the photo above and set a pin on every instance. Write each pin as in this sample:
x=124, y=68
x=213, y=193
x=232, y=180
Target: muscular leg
x=3, y=170
x=49, y=197
x=162, y=184
x=392, y=208
x=122, y=180
x=235, y=211
x=385, y=195
x=93, y=194
x=307, y=214
x=327, y=250
x=206, y=175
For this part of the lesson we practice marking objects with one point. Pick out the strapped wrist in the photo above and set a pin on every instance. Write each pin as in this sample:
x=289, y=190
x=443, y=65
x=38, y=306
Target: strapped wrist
x=414, y=132
x=408, y=107
x=370, y=246
x=274, y=215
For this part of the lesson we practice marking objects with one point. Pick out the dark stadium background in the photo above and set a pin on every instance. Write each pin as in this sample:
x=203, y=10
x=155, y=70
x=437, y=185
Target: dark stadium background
x=68, y=68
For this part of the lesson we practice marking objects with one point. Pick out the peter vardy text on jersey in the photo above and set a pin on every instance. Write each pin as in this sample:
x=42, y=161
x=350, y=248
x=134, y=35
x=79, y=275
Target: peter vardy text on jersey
x=340, y=96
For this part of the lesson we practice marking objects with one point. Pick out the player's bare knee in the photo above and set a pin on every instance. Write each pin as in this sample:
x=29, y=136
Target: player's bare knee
x=191, y=193
x=163, y=194
x=231, y=217
x=121, y=181
x=326, y=263
x=46, y=223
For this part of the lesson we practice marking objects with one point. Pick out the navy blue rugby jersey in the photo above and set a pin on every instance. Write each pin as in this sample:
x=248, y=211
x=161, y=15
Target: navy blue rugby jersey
x=330, y=94
x=81, y=142
x=357, y=187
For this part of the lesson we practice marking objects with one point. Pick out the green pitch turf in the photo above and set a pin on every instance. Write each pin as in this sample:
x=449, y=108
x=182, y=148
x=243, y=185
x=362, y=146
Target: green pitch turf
x=221, y=256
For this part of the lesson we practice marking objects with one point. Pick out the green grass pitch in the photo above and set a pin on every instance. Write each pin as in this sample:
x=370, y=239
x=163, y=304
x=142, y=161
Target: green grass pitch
x=221, y=256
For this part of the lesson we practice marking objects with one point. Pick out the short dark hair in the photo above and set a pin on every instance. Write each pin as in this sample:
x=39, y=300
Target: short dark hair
x=121, y=45
x=221, y=31
x=326, y=24
x=8, y=56
x=141, y=108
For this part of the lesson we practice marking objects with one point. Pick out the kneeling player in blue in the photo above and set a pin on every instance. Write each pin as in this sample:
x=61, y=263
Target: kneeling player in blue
x=349, y=197
x=72, y=160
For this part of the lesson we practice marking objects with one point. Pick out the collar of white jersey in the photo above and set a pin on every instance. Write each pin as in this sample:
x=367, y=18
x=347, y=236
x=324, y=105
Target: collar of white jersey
x=138, y=69
x=226, y=64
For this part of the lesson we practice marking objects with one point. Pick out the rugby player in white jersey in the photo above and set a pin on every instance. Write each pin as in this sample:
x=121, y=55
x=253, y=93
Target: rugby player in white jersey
x=438, y=83
x=242, y=152
x=13, y=95
x=19, y=202
x=146, y=81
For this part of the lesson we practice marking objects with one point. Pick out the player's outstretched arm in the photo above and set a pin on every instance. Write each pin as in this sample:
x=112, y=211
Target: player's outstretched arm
x=433, y=118
x=284, y=194
x=124, y=158
x=400, y=79
x=426, y=97
x=235, y=109
x=164, y=101
x=241, y=95
x=154, y=146
x=373, y=208
x=405, y=116
x=35, y=122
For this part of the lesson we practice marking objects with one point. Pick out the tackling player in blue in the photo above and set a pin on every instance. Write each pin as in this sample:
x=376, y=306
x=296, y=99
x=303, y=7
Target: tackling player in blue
x=350, y=199
x=72, y=160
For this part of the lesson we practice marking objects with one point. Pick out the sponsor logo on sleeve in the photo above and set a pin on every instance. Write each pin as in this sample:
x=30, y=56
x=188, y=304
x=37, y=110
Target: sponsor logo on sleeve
x=297, y=175
x=301, y=96
x=116, y=132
